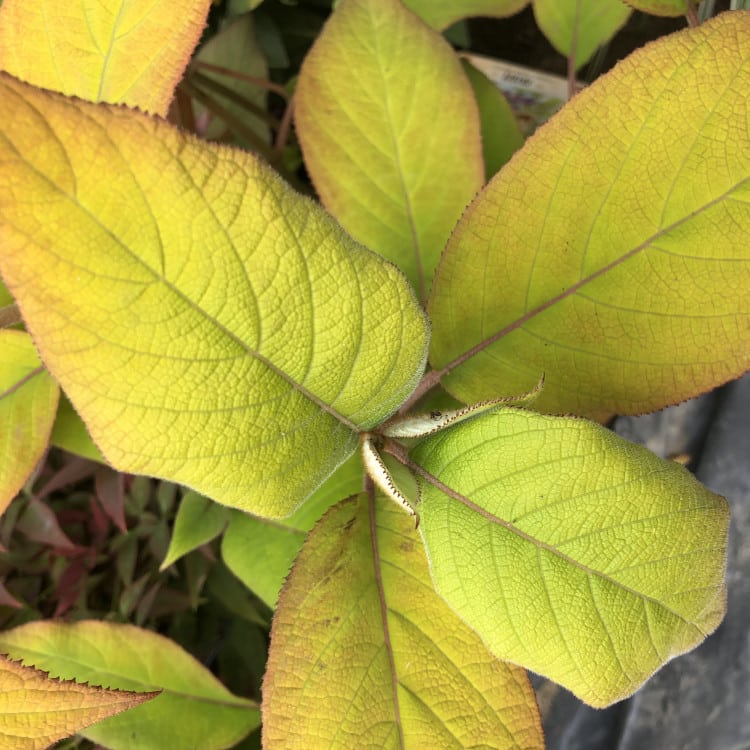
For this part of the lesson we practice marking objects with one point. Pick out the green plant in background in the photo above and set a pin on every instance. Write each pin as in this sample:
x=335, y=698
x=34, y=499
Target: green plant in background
x=214, y=328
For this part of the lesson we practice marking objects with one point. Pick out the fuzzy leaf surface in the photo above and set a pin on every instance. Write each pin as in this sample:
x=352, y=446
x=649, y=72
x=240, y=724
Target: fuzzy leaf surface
x=102, y=50
x=614, y=555
x=442, y=13
x=211, y=326
x=193, y=709
x=611, y=253
x=583, y=24
x=37, y=710
x=390, y=132
x=364, y=653
x=28, y=402
x=660, y=7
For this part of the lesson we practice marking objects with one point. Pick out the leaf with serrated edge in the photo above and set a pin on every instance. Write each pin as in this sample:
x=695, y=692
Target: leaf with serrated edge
x=365, y=654
x=102, y=50
x=211, y=326
x=611, y=253
x=28, y=402
x=660, y=7
x=193, y=710
x=583, y=24
x=37, y=710
x=616, y=557
x=390, y=132
x=442, y=13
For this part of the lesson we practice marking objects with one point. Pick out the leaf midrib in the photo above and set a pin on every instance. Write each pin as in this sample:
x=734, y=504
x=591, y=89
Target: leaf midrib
x=572, y=290
x=541, y=545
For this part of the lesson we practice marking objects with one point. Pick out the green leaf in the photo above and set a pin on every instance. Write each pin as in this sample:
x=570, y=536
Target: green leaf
x=37, y=710
x=260, y=551
x=660, y=7
x=235, y=48
x=442, y=13
x=193, y=710
x=70, y=433
x=211, y=326
x=501, y=136
x=364, y=653
x=614, y=555
x=611, y=253
x=197, y=522
x=390, y=132
x=102, y=50
x=28, y=401
x=582, y=25
x=6, y=298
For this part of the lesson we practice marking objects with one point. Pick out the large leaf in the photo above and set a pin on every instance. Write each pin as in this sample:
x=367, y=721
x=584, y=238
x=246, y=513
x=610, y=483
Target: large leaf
x=260, y=551
x=210, y=326
x=390, y=132
x=194, y=710
x=102, y=50
x=571, y=551
x=365, y=654
x=442, y=13
x=611, y=253
x=580, y=25
x=661, y=7
x=36, y=710
x=28, y=402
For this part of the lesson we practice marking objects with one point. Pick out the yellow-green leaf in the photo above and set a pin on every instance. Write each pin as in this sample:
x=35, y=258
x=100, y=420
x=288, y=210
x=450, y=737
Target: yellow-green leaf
x=611, y=253
x=211, y=326
x=365, y=654
x=442, y=13
x=390, y=132
x=571, y=551
x=580, y=25
x=260, y=551
x=193, y=710
x=661, y=7
x=28, y=402
x=102, y=50
x=37, y=710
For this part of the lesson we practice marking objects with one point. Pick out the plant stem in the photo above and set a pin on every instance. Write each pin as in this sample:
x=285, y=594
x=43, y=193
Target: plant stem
x=260, y=82
x=282, y=134
x=692, y=14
